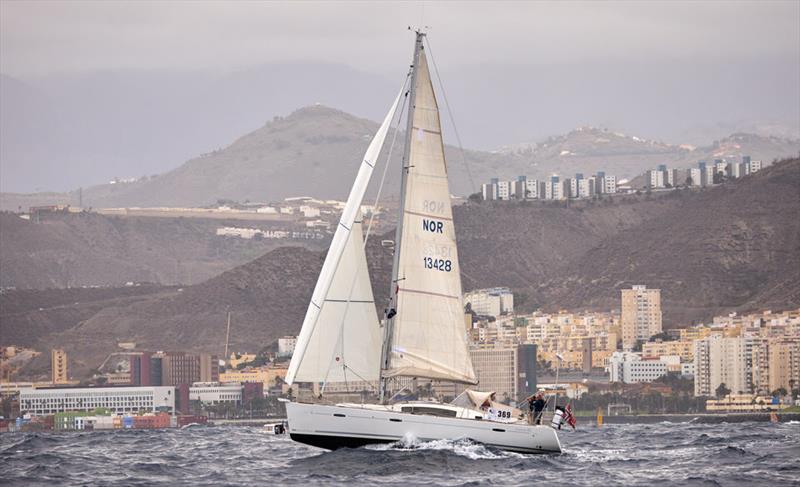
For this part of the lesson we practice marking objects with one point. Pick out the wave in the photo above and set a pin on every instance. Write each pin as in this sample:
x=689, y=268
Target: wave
x=463, y=447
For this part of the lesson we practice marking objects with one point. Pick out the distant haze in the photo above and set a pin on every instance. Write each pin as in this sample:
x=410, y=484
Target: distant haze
x=96, y=90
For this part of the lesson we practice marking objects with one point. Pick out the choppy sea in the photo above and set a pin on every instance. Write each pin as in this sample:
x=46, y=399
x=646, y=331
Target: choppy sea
x=618, y=454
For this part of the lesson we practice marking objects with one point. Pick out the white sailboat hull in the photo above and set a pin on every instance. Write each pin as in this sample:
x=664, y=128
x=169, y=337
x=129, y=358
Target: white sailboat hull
x=341, y=426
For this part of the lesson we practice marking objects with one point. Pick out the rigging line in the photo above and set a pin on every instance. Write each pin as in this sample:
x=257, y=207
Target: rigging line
x=340, y=341
x=388, y=163
x=452, y=118
x=369, y=383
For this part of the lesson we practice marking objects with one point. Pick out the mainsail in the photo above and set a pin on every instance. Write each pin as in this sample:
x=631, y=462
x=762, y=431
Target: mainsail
x=341, y=316
x=428, y=336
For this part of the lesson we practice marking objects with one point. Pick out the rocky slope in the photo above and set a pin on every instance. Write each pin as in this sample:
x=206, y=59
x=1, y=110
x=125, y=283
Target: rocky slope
x=88, y=249
x=726, y=248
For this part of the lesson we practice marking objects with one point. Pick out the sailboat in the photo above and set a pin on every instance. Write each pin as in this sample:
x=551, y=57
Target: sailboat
x=422, y=333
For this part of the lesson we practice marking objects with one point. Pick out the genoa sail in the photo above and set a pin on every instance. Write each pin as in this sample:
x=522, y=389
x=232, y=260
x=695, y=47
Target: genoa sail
x=346, y=347
x=428, y=337
x=357, y=322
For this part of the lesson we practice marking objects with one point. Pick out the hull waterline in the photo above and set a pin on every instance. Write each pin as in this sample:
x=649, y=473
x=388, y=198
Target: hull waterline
x=332, y=427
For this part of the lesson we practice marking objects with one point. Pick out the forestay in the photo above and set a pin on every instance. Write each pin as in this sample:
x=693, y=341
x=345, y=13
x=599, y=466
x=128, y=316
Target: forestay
x=344, y=268
x=428, y=334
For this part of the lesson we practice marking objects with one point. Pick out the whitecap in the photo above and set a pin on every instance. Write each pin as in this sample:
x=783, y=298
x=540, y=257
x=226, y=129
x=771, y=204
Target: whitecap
x=462, y=447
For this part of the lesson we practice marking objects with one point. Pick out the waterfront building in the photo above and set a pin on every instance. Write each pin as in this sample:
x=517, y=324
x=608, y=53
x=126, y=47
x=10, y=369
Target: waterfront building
x=117, y=400
x=742, y=403
x=216, y=393
x=509, y=371
x=641, y=315
x=58, y=366
x=632, y=368
x=491, y=302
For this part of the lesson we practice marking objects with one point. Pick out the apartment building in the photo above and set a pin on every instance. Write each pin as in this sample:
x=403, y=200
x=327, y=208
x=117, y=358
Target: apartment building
x=641, y=315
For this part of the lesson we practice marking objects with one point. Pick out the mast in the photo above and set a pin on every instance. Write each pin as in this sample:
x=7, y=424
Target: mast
x=387, y=331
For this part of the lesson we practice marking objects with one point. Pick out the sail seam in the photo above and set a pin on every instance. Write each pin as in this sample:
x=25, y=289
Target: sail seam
x=426, y=215
x=415, y=291
x=428, y=130
x=346, y=301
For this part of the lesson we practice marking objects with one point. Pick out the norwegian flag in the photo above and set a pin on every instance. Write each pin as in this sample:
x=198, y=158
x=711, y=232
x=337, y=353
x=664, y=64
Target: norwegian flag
x=569, y=418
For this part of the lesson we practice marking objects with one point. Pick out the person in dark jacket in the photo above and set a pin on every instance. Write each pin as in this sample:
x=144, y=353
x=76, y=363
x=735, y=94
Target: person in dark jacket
x=536, y=404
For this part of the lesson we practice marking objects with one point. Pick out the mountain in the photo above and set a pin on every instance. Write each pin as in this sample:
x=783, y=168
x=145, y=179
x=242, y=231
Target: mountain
x=733, y=247
x=314, y=151
x=589, y=149
x=88, y=249
x=91, y=127
x=69, y=130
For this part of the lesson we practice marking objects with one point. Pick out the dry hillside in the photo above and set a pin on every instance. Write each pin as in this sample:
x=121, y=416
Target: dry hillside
x=727, y=248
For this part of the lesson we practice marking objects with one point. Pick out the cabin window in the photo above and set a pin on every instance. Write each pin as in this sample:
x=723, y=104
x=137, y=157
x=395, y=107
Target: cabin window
x=428, y=411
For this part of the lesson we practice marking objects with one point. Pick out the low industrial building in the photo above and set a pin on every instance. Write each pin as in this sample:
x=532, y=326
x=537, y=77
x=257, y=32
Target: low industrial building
x=117, y=400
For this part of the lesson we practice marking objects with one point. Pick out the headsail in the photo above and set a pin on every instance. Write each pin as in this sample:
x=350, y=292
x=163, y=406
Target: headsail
x=428, y=337
x=346, y=345
x=358, y=320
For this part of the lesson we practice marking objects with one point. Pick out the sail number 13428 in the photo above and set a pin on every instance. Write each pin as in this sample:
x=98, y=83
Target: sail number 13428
x=444, y=265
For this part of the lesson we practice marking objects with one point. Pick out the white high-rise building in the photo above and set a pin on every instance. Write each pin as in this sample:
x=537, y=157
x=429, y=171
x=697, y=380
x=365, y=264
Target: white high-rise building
x=573, y=187
x=532, y=189
x=504, y=190
x=286, y=346
x=694, y=175
x=489, y=191
x=722, y=360
x=609, y=184
x=584, y=188
x=655, y=179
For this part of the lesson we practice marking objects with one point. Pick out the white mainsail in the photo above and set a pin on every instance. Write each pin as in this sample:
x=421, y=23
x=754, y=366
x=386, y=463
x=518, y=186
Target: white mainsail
x=428, y=336
x=341, y=271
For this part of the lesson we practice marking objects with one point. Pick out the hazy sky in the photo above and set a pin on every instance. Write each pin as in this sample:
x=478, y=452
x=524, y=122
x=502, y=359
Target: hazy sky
x=44, y=37
x=114, y=88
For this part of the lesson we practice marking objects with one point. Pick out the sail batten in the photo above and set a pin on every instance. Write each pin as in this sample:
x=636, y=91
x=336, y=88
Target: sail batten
x=428, y=336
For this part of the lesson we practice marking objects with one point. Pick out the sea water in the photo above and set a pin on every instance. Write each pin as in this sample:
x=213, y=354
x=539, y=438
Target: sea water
x=629, y=454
